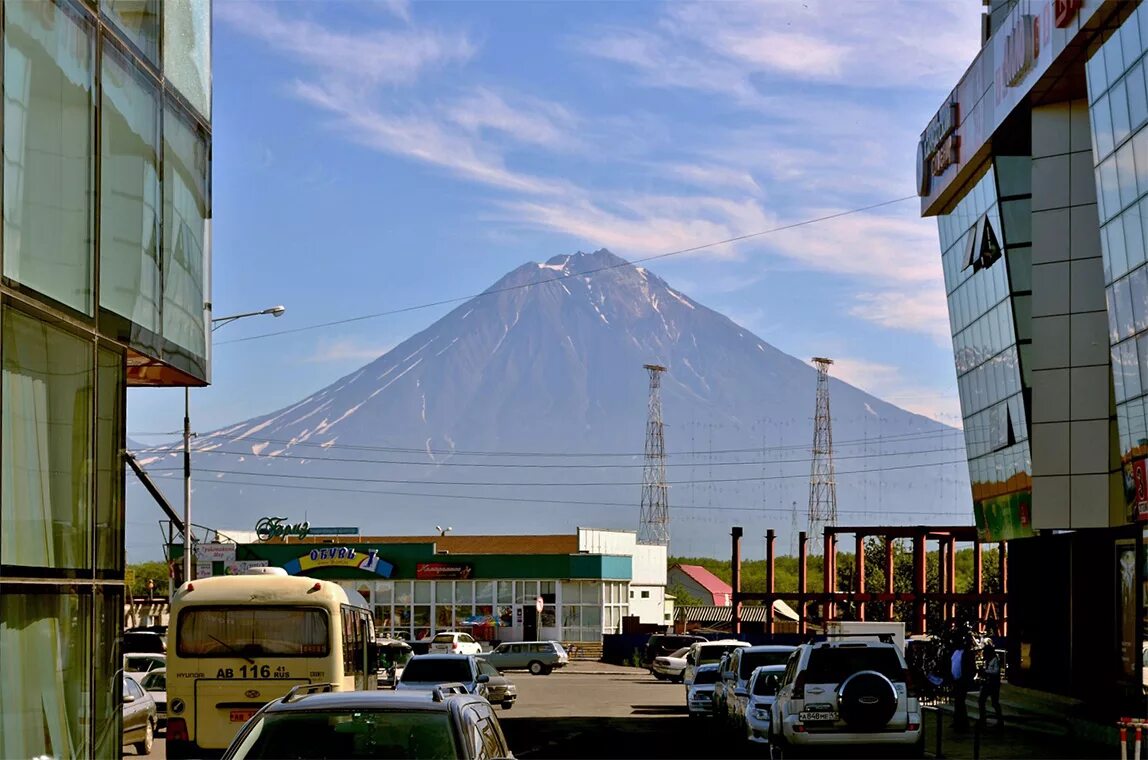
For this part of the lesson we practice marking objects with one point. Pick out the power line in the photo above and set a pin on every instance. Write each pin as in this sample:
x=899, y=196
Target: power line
x=472, y=484
x=596, y=270
x=283, y=457
x=900, y=437
x=513, y=499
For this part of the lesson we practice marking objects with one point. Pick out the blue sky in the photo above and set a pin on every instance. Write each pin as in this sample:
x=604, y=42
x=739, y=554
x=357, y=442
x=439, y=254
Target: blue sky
x=375, y=155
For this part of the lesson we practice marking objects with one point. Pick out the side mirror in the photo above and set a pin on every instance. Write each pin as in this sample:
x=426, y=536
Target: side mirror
x=129, y=698
x=484, y=678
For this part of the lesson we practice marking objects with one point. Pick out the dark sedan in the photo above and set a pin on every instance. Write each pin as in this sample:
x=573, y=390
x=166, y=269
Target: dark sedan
x=500, y=690
x=139, y=716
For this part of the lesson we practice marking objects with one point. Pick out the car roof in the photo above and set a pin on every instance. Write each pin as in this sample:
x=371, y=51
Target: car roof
x=768, y=648
x=539, y=641
x=159, y=655
x=369, y=700
x=442, y=656
x=855, y=644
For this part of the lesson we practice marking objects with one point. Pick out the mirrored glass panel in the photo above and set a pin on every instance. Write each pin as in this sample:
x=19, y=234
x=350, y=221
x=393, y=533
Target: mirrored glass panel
x=139, y=21
x=185, y=221
x=187, y=50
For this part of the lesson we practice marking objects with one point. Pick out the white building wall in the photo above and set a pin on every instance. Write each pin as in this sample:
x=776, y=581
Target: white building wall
x=598, y=541
x=647, y=593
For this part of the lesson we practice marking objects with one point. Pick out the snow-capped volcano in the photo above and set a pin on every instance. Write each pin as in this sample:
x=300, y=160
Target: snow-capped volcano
x=458, y=423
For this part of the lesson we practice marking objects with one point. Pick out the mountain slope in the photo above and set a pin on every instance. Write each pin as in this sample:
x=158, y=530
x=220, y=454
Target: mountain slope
x=549, y=361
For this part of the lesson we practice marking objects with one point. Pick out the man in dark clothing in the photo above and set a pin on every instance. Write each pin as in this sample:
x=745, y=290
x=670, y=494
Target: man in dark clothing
x=964, y=665
x=991, y=688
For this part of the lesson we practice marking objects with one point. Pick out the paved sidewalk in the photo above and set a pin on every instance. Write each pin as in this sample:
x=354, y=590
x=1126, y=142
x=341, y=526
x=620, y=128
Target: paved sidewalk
x=590, y=667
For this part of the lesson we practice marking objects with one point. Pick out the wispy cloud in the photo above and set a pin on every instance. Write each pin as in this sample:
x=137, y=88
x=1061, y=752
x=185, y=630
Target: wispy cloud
x=536, y=121
x=890, y=383
x=921, y=310
x=347, y=350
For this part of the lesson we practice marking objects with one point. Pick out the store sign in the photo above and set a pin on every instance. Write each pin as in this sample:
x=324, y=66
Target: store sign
x=939, y=146
x=1064, y=11
x=1136, y=490
x=442, y=571
x=275, y=527
x=215, y=552
x=341, y=556
x=1021, y=50
x=1004, y=518
x=331, y=531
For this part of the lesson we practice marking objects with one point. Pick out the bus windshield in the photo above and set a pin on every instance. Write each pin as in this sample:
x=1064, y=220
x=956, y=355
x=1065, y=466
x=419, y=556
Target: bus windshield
x=247, y=631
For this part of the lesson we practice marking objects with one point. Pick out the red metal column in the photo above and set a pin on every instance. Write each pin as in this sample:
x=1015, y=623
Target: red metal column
x=802, y=551
x=735, y=578
x=770, y=539
x=919, y=578
x=827, y=574
x=890, y=568
x=860, y=575
x=952, y=571
x=1002, y=555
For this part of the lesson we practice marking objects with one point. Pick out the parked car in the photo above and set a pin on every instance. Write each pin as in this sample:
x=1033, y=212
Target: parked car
x=139, y=717
x=700, y=693
x=763, y=685
x=500, y=690
x=670, y=667
x=145, y=641
x=846, y=693
x=139, y=664
x=662, y=644
x=735, y=689
x=724, y=675
x=155, y=683
x=431, y=724
x=454, y=642
x=539, y=657
x=706, y=653
x=424, y=672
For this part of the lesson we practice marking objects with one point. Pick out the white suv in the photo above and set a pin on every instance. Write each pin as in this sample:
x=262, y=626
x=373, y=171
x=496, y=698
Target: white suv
x=837, y=693
x=454, y=642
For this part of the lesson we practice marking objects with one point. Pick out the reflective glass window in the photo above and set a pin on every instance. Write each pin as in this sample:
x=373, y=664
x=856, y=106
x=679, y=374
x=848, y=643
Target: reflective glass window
x=1115, y=254
x=1133, y=237
x=46, y=700
x=110, y=416
x=48, y=152
x=1138, y=288
x=45, y=493
x=1113, y=58
x=1117, y=375
x=1140, y=154
x=1113, y=331
x=1017, y=221
x=1102, y=127
x=1130, y=42
x=1020, y=269
x=1121, y=126
x=1142, y=364
x=1108, y=189
x=1014, y=175
x=1140, y=18
x=129, y=178
x=187, y=50
x=1122, y=295
x=422, y=592
x=443, y=592
x=185, y=220
x=107, y=705
x=139, y=21
x=1137, y=96
x=1130, y=367
x=1097, y=77
x=1126, y=171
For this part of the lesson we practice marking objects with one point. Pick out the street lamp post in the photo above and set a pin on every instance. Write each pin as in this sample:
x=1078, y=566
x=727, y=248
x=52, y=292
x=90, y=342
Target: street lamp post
x=216, y=323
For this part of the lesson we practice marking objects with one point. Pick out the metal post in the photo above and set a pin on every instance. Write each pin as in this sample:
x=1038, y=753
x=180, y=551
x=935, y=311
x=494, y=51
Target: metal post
x=827, y=584
x=919, y=580
x=187, y=541
x=979, y=581
x=735, y=577
x=943, y=575
x=889, y=570
x=770, y=539
x=1002, y=556
x=860, y=575
x=802, y=552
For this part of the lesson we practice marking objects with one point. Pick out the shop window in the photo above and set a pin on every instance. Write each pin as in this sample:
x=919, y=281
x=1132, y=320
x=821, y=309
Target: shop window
x=645, y=594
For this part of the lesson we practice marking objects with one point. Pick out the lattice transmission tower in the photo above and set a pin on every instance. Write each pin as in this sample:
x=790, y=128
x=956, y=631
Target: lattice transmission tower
x=822, y=485
x=654, y=526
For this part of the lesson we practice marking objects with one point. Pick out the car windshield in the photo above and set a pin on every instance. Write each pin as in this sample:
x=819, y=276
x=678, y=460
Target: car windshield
x=139, y=664
x=705, y=676
x=766, y=684
x=154, y=681
x=835, y=664
x=750, y=661
x=436, y=671
x=443, y=638
x=351, y=734
x=679, y=652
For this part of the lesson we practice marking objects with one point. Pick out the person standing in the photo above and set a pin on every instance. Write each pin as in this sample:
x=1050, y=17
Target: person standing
x=963, y=664
x=991, y=688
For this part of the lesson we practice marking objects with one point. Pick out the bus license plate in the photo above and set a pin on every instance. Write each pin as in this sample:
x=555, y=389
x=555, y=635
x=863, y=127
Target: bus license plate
x=241, y=716
x=814, y=716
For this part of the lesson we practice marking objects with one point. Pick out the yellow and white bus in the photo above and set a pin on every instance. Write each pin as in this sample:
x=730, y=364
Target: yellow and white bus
x=237, y=642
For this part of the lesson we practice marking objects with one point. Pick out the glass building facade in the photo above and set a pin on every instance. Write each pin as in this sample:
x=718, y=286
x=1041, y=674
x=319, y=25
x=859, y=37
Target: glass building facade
x=106, y=271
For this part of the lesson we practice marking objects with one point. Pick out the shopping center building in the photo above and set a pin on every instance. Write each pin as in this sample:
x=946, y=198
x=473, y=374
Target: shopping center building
x=571, y=588
x=1036, y=168
x=105, y=273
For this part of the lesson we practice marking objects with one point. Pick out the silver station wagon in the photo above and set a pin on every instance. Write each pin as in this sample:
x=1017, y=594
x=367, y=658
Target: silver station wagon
x=539, y=657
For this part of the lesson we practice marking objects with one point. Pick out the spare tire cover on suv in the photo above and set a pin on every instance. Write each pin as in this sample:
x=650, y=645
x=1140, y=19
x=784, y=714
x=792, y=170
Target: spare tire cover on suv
x=867, y=701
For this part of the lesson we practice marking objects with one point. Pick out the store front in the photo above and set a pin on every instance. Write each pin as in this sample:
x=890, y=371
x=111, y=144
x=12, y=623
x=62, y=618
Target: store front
x=417, y=589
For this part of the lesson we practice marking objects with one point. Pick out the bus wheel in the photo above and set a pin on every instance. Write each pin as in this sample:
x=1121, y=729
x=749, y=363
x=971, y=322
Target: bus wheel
x=144, y=747
x=536, y=668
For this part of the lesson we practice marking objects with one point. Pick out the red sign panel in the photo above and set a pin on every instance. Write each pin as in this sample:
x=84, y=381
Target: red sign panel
x=442, y=571
x=1064, y=11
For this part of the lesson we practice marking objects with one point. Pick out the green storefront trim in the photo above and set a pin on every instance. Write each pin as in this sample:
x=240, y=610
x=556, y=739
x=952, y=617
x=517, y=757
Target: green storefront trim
x=406, y=557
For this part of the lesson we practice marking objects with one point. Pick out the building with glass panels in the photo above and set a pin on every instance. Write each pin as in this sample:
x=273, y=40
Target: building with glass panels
x=1036, y=168
x=572, y=588
x=105, y=278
